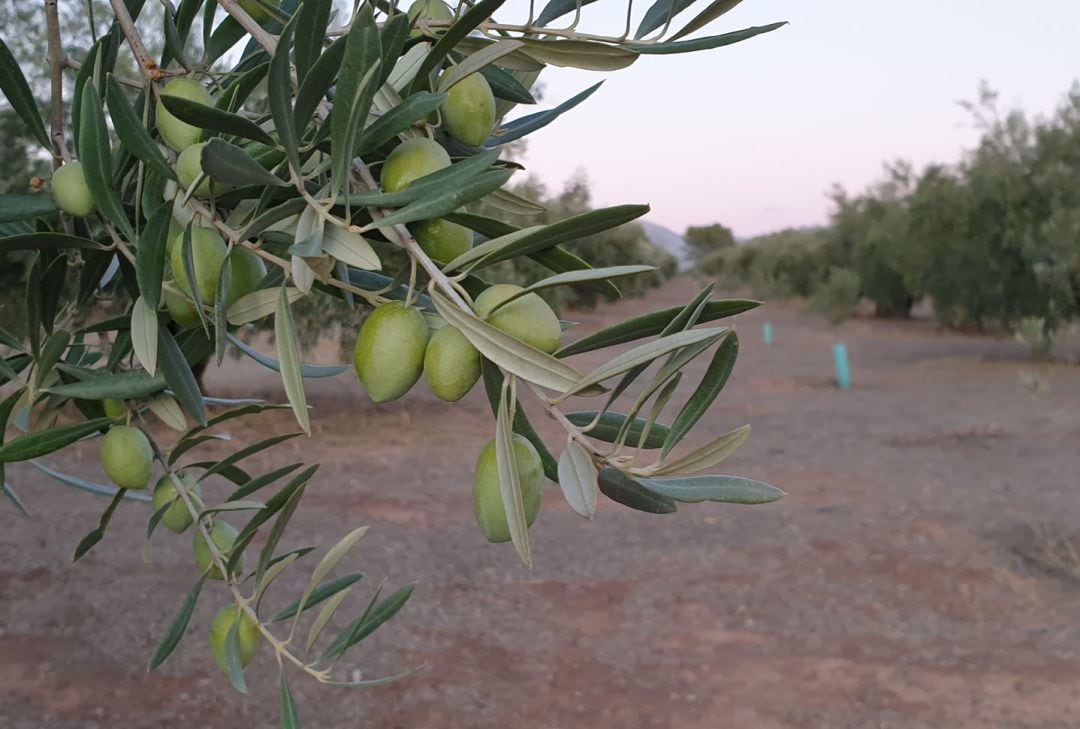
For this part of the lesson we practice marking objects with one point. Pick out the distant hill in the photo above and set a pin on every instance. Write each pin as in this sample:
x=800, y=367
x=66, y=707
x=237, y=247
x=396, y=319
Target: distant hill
x=669, y=240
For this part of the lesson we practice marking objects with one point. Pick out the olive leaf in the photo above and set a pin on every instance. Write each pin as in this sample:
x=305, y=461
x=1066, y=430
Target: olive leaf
x=144, y=335
x=578, y=479
x=509, y=479
x=706, y=456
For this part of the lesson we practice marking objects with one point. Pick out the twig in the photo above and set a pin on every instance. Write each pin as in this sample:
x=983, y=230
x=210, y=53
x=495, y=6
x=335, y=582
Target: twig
x=149, y=69
x=56, y=82
x=248, y=23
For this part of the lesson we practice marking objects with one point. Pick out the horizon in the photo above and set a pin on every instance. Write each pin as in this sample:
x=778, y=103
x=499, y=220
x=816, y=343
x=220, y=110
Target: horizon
x=798, y=129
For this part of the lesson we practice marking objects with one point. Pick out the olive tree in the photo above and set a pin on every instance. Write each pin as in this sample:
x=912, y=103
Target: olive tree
x=274, y=154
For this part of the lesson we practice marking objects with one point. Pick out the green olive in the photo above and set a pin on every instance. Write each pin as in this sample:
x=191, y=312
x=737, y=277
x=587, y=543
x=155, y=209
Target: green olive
x=451, y=364
x=71, y=192
x=527, y=318
x=248, y=636
x=224, y=536
x=487, y=498
x=179, y=134
x=246, y=272
x=442, y=240
x=182, y=310
x=469, y=110
x=389, y=353
x=126, y=457
x=429, y=9
x=410, y=160
x=177, y=518
x=115, y=409
x=189, y=167
x=208, y=251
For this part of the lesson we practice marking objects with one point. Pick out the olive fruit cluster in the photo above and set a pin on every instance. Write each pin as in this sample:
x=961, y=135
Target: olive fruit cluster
x=395, y=344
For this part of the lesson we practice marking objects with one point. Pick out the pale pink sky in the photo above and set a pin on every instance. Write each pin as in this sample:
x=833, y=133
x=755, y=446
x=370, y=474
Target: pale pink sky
x=754, y=134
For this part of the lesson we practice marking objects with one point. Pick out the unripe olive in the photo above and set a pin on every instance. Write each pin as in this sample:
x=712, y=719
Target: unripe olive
x=246, y=271
x=179, y=134
x=410, y=160
x=182, y=310
x=208, y=251
x=71, y=192
x=224, y=536
x=442, y=240
x=177, y=518
x=451, y=364
x=430, y=9
x=248, y=636
x=189, y=167
x=389, y=353
x=126, y=457
x=469, y=110
x=487, y=498
x=115, y=409
x=527, y=318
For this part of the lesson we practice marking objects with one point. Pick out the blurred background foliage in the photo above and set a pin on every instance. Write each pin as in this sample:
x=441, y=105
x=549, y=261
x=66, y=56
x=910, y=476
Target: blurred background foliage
x=992, y=241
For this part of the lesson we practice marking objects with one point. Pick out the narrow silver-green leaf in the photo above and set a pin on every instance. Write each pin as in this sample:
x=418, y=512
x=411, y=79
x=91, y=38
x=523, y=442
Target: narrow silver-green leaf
x=233, y=666
x=576, y=277
x=577, y=479
x=144, y=334
x=97, y=162
x=645, y=353
x=477, y=61
x=712, y=382
x=587, y=55
x=324, y=616
x=258, y=304
x=510, y=479
x=707, y=456
x=214, y=119
x=610, y=424
x=17, y=92
x=151, y=253
x=651, y=324
x=725, y=489
x=702, y=44
x=280, y=93
x=528, y=124
x=713, y=11
x=306, y=370
x=511, y=354
x=232, y=165
x=168, y=411
x=179, y=376
x=179, y=625
x=131, y=132
x=288, y=347
x=350, y=247
x=436, y=206
x=356, y=88
x=290, y=719
x=332, y=557
x=42, y=443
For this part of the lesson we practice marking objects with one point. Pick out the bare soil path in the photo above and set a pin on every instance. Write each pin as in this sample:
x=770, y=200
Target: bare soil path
x=887, y=589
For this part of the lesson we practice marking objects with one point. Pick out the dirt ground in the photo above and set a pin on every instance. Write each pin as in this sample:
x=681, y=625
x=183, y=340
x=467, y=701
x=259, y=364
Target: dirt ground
x=902, y=583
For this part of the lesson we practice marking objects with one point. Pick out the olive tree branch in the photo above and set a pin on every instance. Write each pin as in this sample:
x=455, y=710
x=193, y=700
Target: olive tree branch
x=60, y=152
x=248, y=23
x=147, y=67
x=281, y=650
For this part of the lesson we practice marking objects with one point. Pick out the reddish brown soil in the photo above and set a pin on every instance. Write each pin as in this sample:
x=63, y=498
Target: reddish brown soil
x=885, y=591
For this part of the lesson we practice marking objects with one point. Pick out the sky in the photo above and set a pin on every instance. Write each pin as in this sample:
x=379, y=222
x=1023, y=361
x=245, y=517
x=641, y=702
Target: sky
x=754, y=135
